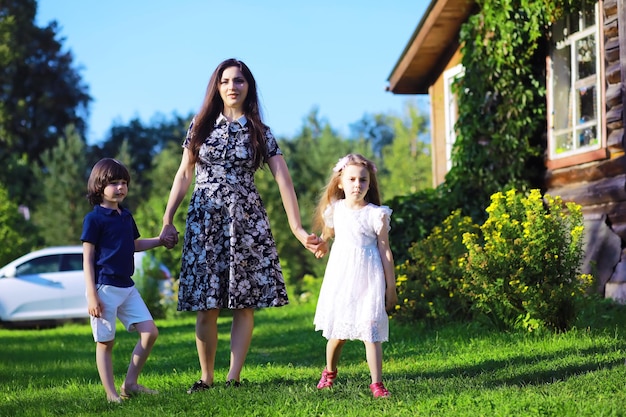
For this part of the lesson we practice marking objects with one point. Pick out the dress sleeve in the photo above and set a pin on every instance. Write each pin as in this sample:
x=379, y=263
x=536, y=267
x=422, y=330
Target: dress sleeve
x=328, y=216
x=271, y=144
x=380, y=218
x=188, y=135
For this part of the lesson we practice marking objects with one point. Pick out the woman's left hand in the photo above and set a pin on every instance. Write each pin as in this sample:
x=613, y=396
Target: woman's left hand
x=311, y=241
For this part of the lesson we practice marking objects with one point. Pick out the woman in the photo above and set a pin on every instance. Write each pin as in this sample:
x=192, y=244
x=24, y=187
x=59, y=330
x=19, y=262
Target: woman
x=229, y=256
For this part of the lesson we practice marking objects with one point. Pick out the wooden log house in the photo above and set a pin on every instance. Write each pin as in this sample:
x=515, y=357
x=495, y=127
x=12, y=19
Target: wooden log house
x=586, y=84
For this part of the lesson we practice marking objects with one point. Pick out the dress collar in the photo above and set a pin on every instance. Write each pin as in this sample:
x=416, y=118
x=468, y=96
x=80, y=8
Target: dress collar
x=223, y=120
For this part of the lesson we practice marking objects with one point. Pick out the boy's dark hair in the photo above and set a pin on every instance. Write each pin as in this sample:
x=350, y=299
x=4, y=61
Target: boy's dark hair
x=102, y=174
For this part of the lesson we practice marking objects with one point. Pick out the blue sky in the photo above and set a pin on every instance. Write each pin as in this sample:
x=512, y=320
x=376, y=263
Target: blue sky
x=142, y=58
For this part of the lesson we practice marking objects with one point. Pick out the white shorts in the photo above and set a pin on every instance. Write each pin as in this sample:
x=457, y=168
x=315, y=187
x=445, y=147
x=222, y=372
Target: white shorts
x=123, y=303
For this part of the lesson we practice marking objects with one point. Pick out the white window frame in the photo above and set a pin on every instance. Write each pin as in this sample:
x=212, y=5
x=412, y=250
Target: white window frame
x=576, y=125
x=451, y=108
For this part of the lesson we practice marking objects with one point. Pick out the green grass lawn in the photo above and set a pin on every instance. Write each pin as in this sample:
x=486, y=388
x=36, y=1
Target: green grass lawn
x=458, y=370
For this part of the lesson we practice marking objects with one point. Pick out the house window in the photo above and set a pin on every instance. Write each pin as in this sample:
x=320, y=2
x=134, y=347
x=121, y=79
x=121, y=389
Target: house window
x=575, y=92
x=451, y=108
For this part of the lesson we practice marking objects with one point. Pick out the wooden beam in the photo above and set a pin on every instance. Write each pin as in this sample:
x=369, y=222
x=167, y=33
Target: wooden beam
x=621, y=12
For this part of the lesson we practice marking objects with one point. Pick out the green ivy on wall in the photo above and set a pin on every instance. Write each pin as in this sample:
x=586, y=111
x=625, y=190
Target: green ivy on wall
x=501, y=128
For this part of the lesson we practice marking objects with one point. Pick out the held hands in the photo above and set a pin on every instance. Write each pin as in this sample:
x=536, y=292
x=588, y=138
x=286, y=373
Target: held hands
x=322, y=249
x=309, y=241
x=169, y=236
x=315, y=245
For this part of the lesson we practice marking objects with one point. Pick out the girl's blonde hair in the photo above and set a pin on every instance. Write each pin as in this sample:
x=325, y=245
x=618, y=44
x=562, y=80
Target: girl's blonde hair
x=332, y=192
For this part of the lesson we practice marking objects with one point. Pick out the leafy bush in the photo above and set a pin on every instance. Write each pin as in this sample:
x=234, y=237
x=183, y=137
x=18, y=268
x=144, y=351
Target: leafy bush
x=413, y=218
x=19, y=235
x=428, y=282
x=159, y=295
x=525, y=272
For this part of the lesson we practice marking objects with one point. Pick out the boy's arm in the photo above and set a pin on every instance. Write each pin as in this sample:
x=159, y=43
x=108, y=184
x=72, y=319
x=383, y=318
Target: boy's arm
x=94, y=307
x=148, y=243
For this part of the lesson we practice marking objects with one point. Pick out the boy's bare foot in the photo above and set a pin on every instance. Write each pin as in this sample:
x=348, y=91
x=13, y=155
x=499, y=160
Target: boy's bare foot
x=131, y=390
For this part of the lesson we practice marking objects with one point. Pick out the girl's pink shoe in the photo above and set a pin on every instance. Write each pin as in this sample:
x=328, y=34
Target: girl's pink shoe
x=379, y=390
x=327, y=379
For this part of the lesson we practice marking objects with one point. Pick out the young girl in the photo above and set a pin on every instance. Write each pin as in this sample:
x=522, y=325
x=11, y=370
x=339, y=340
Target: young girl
x=359, y=284
x=110, y=238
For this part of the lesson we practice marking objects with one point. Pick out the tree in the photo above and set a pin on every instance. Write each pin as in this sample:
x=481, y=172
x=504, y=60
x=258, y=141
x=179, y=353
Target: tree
x=40, y=94
x=310, y=156
x=63, y=187
x=138, y=144
x=149, y=213
x=19, y=234
x=376, y=129
x=407, y=163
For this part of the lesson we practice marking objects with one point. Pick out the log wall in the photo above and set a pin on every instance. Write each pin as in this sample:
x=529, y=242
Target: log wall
x=600, y=186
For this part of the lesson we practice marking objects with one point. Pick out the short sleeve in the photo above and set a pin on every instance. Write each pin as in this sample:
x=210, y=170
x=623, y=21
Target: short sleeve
x=381, y=217
x=328, y=216
x=188, y=135
x=271, y=144
x=91, y=231
x=136, y=234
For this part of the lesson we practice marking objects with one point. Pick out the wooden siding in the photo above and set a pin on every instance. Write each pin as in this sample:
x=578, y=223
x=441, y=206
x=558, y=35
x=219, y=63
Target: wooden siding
x=597, y=183
x=599, y=186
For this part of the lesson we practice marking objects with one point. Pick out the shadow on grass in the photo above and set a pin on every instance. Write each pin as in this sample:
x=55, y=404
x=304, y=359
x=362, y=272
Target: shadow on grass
x=520, y=368
x=285, y=338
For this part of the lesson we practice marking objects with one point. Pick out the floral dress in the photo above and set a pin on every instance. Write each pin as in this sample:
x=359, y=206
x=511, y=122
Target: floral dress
x=351, y=304
x=229, y=255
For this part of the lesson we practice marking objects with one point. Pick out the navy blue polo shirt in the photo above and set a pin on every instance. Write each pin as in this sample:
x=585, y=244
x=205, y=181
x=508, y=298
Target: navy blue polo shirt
x=113, y=234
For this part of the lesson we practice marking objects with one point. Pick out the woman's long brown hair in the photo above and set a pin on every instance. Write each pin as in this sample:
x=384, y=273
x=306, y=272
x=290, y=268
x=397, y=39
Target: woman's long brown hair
x=213, y=105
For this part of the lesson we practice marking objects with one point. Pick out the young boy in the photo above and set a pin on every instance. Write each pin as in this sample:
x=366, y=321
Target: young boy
x=110, y=237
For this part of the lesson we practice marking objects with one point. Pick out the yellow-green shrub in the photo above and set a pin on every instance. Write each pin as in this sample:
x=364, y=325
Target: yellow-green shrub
x=525, y=269
x=428, y=282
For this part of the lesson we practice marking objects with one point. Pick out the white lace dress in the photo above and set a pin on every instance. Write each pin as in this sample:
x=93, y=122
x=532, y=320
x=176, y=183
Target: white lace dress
x=351, y=303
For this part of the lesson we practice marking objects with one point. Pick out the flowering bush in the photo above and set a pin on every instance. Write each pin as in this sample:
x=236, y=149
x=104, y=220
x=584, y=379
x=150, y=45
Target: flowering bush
x=525, y=271
x=428, y=281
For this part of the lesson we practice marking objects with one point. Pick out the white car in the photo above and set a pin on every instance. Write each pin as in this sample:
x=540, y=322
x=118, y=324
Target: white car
x=48, y=286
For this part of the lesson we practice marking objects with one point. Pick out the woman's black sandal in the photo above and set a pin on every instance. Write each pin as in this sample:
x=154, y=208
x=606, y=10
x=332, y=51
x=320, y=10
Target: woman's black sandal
x=198, y=386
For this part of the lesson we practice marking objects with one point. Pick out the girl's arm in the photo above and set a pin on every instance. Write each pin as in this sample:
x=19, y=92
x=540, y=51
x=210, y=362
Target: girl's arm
x=180, y=185
x=279, y=169
x=94, y=307
x=391, y=296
